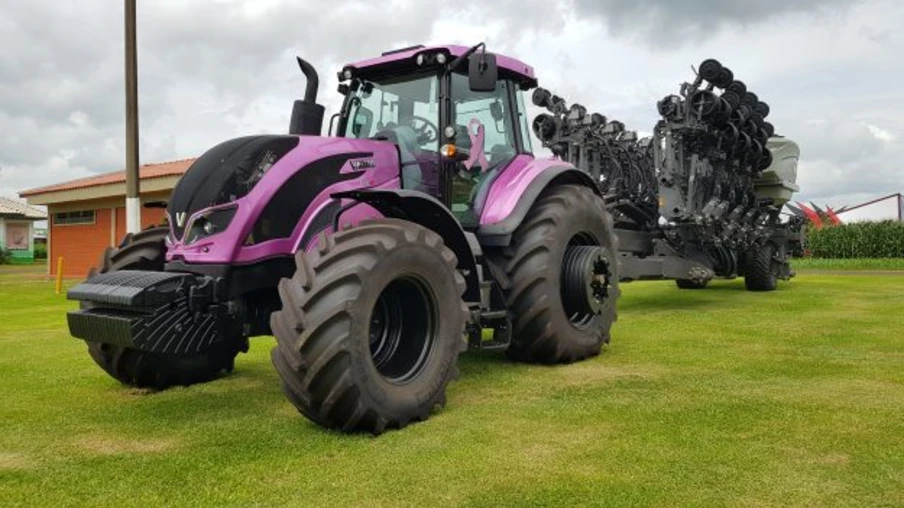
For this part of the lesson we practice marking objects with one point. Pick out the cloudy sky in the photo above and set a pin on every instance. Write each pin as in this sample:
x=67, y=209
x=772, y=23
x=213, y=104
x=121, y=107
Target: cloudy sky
x=209, y=70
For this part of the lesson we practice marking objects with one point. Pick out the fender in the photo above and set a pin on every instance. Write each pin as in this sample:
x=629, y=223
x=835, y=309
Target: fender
x=425, y=210
x=499, y=233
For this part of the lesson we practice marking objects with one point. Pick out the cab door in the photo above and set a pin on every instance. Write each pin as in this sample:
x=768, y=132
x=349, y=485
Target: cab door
x=485, y=126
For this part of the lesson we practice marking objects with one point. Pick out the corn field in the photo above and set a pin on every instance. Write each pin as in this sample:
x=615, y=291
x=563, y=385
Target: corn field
x=857, y=240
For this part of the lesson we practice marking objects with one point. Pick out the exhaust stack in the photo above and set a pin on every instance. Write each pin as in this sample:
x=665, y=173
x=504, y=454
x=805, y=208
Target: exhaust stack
x=307, y=115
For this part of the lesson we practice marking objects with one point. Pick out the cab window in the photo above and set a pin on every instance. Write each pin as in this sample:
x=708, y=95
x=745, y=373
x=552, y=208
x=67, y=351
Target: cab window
x=491, y=109
x=407, y=106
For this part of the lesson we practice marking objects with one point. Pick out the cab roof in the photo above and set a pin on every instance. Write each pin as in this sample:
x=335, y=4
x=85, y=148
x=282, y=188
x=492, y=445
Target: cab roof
x=400, y=59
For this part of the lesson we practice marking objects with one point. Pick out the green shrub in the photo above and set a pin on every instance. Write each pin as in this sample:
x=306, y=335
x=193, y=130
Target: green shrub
x=858, y=240
x=40, y=251
x=5, y=256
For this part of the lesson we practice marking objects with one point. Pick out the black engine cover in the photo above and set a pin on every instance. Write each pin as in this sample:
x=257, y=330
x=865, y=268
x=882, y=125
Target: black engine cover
x=224, y=173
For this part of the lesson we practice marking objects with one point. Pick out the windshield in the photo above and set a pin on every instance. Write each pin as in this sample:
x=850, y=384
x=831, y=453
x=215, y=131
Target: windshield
x=404, y=110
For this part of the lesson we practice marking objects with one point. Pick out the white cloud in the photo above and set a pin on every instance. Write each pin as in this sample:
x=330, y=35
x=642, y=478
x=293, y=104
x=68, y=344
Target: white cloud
x=214, y=70
x=880, y=133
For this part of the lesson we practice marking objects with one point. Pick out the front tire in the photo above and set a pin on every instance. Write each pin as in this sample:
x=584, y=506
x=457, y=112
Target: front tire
x=147, y=251
x=554, y=320
x=371, y=327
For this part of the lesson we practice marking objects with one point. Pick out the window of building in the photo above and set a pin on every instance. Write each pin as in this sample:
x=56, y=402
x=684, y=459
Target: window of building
x=69, y=218
x=16, y=236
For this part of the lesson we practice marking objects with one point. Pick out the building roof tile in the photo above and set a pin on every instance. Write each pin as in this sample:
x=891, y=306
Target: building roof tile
x=14, y=209
x=146, y=172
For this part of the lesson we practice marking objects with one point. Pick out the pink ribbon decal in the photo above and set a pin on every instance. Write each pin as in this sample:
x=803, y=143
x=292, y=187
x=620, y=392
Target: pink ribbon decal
x=477, y=141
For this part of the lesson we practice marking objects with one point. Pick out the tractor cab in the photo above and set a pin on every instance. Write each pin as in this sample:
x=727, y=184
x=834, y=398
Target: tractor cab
x=456, y=114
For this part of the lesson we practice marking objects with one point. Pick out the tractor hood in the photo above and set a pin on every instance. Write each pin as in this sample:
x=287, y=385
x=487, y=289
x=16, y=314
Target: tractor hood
x=252, y=197
x=225, y=173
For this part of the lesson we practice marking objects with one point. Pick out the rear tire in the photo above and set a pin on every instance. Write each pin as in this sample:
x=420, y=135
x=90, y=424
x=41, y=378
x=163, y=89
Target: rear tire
x=564, y=217
x=371, y=327
x=760, y=268
x=690, y=284
x=146, y=251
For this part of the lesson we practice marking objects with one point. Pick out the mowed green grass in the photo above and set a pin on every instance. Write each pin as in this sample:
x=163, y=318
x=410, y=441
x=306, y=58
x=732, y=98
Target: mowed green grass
x=718, y=397
x=848, y=264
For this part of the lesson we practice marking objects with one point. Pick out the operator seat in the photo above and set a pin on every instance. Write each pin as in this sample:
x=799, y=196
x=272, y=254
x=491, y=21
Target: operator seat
x=405, y=138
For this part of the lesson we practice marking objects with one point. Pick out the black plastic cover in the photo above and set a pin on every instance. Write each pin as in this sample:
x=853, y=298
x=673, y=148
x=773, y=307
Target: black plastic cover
x=225, y=173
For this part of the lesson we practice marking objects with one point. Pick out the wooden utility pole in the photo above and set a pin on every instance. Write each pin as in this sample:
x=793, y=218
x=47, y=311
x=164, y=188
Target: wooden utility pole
x=133, y=202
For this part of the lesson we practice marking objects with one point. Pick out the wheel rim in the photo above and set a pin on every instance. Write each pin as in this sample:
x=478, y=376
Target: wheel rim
x=402, y=329
x=585, y=280
x=775, y=266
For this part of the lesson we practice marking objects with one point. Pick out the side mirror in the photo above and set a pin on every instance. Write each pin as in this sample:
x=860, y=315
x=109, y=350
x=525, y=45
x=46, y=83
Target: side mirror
x=482, y=72
x=362, y=121
x=496, y=111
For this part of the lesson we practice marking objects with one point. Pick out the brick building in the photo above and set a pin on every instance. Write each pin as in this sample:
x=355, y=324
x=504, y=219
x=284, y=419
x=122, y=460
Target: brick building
x=87, y=215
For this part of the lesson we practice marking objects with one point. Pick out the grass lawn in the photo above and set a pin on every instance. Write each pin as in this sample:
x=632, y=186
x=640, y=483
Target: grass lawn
x=707, y=398
x=848, y=264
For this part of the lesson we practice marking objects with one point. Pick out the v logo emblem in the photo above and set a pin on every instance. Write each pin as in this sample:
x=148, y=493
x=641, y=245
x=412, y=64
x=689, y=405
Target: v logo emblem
x=180, y=219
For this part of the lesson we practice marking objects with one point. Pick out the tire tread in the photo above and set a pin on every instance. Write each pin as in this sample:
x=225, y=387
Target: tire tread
x=325, y=390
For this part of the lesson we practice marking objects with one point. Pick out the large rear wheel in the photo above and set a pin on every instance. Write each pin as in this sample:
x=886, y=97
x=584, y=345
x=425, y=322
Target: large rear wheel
x=371, y=327
x=561, y=277
x=146, y=251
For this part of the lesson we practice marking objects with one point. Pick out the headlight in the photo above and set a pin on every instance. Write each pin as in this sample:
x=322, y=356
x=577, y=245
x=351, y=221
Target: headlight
x=209, y=224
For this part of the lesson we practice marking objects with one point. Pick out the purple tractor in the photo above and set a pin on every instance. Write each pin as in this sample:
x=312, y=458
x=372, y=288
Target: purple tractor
x=374, y=256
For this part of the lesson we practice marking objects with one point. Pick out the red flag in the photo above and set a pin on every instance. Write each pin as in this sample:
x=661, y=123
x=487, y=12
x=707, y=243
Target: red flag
x=836, y=221
x=813, y=216
x=824, y=216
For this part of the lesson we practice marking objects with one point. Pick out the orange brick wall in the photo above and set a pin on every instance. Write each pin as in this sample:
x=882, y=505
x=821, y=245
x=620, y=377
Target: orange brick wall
x=81, y=245
x=152, y=217
x=149, y=217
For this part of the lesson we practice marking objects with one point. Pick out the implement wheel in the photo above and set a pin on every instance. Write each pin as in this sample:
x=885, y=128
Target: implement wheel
x=371, y=327
x=691, y=284
x=761, y=268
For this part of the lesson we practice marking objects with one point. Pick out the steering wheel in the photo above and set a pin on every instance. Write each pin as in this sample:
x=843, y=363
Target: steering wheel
x=427, y=132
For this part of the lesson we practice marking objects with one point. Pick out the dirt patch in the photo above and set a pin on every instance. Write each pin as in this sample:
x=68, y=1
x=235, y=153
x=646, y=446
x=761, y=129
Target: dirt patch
x=835, y=459
x=11, y=461
x=591, y=373
x=120, y=446
x=545, y=447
